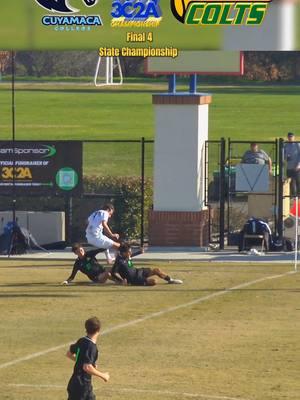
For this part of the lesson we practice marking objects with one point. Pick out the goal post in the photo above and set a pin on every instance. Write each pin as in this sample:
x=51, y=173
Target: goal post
x=108, y=72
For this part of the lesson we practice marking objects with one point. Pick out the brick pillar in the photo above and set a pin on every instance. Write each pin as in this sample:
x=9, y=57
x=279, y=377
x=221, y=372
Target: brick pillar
x=179, y=228
x=179, y=216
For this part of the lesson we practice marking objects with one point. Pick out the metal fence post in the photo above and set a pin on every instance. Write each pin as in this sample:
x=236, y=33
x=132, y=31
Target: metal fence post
x=222, y=193
x=13, y=122
x=68, y=218
x=280, y=190
x=276, y=187
x=142, y=189
x=227, y=177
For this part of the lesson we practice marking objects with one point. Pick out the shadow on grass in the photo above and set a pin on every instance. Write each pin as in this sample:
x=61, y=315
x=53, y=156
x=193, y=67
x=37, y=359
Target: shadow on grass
x=54, y=285
x=156, y=87
x=31, y=284
x=93, y=91
x=35, y=295
x=24, y=266
x=134, y=290
x=240, y=89
x=199, y=292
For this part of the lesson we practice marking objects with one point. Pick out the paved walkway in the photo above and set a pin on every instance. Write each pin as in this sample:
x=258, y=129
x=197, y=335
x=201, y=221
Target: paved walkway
x=172, y=254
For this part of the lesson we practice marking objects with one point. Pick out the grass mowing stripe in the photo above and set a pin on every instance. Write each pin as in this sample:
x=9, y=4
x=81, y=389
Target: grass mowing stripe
x=124, y=390
x=173, y=393
x=150, y=316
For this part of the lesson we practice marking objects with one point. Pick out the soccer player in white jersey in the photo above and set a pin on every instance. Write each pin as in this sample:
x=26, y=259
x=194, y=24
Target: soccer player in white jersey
x=98, y=228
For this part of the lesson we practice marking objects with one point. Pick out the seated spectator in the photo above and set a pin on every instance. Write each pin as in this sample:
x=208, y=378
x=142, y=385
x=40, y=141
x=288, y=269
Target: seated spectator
x=256, y=156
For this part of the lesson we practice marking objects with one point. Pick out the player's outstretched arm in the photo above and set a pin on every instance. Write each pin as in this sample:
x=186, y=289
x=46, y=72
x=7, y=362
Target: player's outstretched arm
x=71, y=277
x=108, y=231
x=91, y=370
x=138, y=252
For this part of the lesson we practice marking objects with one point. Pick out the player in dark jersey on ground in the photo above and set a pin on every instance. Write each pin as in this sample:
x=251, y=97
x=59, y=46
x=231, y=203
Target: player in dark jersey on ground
x=124, y=272
x=85, y=354
x=87, y=263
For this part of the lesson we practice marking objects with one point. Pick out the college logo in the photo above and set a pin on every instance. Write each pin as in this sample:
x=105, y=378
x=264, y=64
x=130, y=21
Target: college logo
x=222, y=12
x=139, y=13
x=68, y=22
x=63, y=5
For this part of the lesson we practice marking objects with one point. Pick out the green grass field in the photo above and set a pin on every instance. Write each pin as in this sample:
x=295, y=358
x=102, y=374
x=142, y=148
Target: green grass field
x=217, y=344
x=80, y=111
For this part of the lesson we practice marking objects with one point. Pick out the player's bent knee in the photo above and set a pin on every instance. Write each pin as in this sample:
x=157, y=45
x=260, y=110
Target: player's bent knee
x=151, y=282
x=103, y=277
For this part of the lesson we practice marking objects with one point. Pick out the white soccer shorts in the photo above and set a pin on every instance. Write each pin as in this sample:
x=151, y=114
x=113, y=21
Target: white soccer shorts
x=102, y=242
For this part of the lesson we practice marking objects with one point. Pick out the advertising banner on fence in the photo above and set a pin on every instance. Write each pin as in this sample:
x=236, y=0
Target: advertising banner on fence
x=41, y=168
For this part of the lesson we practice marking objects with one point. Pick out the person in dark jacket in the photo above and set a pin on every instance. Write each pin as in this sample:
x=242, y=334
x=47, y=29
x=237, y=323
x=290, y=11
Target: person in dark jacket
x=292, y=158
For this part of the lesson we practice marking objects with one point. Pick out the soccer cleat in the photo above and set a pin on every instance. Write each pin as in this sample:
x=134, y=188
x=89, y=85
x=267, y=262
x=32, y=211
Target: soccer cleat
x=175, y=281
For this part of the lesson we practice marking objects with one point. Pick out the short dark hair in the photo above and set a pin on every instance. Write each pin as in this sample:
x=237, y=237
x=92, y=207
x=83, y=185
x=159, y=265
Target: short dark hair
x=76, y=246
x=124, y=248
x=108, y=207
x=92, y=325
x=253, y=144
x=291, y=134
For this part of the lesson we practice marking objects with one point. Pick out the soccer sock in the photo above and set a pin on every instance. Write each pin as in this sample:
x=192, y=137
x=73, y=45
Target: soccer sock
x=112, y=253
x=167, y=278
x=107, y=254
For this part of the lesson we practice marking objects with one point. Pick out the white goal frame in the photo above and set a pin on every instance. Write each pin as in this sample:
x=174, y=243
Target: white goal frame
x=110, y=64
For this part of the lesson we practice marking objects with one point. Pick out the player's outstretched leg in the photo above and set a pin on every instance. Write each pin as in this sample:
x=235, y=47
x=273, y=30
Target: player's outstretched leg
x=158, y=272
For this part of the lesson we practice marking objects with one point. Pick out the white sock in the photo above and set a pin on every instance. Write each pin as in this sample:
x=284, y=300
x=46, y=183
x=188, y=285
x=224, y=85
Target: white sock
x=110, y=256
x=107, y=254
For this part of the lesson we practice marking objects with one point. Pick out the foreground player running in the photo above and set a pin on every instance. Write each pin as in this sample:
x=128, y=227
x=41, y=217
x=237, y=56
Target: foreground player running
x=87, y=263
x=97, y=223
x=125, y=273
x=85, y=354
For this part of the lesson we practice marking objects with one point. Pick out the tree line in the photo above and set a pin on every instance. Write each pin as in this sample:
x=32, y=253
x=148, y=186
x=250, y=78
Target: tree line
x=259, y=66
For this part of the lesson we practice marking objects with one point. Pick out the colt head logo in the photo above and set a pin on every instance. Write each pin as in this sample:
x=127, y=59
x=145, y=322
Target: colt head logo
x=63, y=6
x=179, y=8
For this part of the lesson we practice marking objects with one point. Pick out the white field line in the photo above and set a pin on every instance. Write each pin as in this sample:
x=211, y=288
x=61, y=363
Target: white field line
x=124, y=390
x=149, y=316
x=173, y=393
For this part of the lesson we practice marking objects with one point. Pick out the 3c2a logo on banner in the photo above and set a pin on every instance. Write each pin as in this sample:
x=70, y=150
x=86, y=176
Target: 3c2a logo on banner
x=67, y=178
x=68, y=22
x=220, y=12
x=139, y=13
